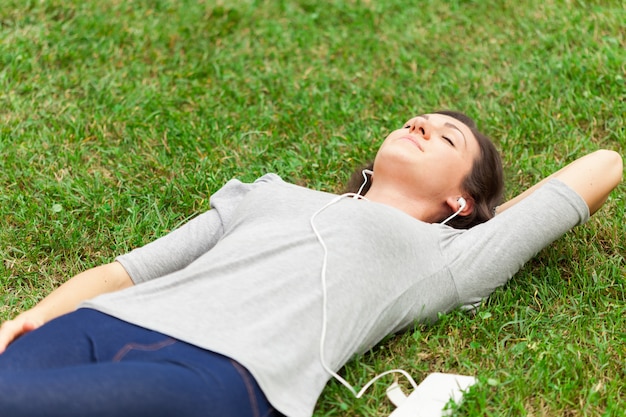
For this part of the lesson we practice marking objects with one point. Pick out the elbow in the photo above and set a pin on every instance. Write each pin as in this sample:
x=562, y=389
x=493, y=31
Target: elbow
x=613, y=164
x=116, y=276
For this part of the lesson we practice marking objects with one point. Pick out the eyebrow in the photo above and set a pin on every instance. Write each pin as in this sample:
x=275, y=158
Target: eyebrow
x=459, y=130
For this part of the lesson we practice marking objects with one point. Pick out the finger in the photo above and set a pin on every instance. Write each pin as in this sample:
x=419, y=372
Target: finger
x=7, y=335
x=29, y=326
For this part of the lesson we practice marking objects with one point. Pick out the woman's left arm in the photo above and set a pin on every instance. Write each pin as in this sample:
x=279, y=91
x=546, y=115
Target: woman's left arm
x=592, y=176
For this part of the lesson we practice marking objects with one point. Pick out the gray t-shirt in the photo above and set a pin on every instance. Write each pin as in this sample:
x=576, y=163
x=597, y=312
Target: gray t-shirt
x=244, y=278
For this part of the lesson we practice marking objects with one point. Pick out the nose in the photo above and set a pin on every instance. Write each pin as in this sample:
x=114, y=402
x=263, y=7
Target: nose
x=420, y=127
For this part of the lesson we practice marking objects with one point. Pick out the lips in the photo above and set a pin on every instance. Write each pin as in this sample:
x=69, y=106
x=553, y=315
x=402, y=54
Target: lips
x=413, y=140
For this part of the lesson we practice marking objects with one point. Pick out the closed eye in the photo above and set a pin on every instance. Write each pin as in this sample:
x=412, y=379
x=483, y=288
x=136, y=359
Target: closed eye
x=449, y=140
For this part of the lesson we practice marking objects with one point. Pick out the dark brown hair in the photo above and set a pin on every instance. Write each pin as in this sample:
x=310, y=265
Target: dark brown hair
x=484, y=183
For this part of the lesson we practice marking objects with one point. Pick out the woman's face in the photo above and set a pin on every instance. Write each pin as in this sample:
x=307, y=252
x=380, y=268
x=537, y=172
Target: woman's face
x=429, y=157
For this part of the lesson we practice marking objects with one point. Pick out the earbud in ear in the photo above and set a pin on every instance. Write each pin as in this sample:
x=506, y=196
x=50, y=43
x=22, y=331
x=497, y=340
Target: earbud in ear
x=462, y=204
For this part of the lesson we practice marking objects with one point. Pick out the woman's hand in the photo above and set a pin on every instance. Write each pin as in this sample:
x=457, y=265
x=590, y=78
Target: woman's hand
x=12, y=329
x=88, y=284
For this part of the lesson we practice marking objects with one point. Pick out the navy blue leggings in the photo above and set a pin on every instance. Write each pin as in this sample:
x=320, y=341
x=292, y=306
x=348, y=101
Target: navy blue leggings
x=90, y=364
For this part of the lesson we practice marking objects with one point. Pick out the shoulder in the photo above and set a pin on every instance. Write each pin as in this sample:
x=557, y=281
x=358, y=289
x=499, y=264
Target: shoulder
x=235, y=190
x=236, y=186
x=269, y=178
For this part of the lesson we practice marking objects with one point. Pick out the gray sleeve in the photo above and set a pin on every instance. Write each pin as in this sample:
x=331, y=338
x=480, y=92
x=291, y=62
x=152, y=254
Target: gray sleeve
x=487, y=256
x=182, y=246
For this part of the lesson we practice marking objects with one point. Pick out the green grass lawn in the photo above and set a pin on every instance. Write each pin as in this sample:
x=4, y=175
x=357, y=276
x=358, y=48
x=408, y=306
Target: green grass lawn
x=119, y=118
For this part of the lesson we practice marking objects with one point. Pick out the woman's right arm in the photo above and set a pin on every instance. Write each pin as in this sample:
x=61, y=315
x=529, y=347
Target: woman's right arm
x=88, y=284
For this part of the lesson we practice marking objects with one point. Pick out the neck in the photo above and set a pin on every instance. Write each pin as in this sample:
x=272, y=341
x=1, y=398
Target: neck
x=423, y=209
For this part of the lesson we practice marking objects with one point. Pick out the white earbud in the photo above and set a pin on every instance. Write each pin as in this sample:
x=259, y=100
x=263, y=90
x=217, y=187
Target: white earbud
x=462, y=204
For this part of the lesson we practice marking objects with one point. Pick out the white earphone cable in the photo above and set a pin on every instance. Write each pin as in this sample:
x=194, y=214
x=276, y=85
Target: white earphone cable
x=462, y=204
x=325, y=310
x=453, y=216
x=364, y=172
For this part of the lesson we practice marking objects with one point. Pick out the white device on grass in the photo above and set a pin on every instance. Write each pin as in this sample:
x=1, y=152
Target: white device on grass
x=431, y=396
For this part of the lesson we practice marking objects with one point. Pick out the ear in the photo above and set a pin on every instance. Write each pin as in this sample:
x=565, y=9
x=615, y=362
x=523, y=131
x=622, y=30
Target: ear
x=454, y=204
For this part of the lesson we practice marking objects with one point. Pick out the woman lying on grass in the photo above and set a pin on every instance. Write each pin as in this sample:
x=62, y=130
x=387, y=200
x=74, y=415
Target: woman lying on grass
x=249, y=308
